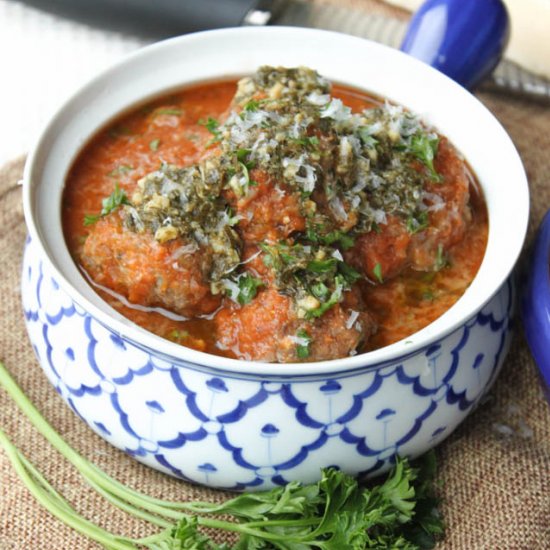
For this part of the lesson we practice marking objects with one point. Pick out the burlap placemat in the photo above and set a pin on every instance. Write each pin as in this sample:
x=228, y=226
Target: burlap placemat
x=494, y=470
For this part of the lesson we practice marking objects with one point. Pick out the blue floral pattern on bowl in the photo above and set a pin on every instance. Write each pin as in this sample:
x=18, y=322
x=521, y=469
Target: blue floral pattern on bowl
x=243, y=431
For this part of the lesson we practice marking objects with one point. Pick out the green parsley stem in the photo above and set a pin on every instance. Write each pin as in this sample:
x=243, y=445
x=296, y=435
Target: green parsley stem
x=89, y=471
x=46, y=495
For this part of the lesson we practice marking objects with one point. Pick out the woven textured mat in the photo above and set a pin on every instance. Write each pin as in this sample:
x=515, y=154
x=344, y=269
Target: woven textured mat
x=494, y=470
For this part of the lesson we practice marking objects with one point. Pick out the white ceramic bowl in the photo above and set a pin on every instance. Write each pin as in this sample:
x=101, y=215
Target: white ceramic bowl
x=238, y=424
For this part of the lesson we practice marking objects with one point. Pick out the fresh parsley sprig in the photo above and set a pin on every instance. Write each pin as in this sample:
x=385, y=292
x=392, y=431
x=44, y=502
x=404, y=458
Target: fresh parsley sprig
x=335, y=513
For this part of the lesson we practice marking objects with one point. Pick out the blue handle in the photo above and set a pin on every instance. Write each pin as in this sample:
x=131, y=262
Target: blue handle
x=536, y=303
x=464, y=39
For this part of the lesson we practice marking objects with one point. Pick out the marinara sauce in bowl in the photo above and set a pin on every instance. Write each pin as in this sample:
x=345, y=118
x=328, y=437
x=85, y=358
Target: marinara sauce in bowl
x=249, y=259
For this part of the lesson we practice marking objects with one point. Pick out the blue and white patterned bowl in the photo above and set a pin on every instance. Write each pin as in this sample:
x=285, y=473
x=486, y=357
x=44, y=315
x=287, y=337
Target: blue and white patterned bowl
x=243, y=425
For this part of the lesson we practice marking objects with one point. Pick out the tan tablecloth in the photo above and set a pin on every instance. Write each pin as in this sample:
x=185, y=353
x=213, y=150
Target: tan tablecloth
x=494, y=470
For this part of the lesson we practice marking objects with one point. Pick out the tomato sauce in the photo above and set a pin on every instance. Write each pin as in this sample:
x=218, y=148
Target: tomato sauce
x=172, y=130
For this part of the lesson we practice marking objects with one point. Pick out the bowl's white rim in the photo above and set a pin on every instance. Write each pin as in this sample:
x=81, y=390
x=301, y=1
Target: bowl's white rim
x=179, y=354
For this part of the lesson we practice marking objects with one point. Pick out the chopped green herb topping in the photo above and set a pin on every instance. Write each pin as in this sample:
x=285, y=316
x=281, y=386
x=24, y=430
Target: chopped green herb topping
x=119, y=170
x=334, y=298
x=315, y=235
x=154, y=144
x=350, y=274
x=365, y=135
x=310, y=274
x=441, y=260
x=303, y=341
x=212, y=125
x=114, y=200
x=186, y=203
x=311, y=141
x=243, y=154
x=243, y=288
x=424, y=148
x=252, y=105
x=377, y=271
x=418, y=222
x=178, y=335
x=111, y=203
x=90, y=219
x=248, y=288
x=428, y=295
x=173, y=111
x=322, y=266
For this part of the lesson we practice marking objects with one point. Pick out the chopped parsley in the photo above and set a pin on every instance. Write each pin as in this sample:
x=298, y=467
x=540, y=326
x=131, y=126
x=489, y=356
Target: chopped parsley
x=315, y=235
x=178, y=335
x=252, y=105
x=322, y=266
x=248, y=288
x=365, y=135
x=334, y=298
x=243, y=288
x=90, y=219
x=171, y=111
x=418, y=222
x=111, y=203
x=350, y=274
x=377, y=271
x=428, y=295
x=424, y=148
x=154, y=144
x=441, y=260
x=302, y=344
x=120, y=170
x=212, y=125
x=242, y=155
x=311, y=141
x=320, y=290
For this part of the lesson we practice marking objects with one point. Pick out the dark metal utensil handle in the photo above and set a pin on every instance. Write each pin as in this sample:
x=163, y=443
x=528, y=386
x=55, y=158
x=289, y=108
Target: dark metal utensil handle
x=163, y=18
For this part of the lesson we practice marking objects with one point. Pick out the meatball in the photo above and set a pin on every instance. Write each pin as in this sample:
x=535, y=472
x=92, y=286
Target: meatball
x=383, y=253
x=448, y=207
x=171, y=275
x=269, y=211
x=268, y=329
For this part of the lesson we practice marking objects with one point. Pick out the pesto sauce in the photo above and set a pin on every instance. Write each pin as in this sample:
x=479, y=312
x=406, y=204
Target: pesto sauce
x=349, y=170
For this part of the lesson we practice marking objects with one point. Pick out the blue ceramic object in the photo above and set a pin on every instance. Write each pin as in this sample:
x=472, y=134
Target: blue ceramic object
x=248, y=425
x=250, y=431
x=464, y=39
x=536, y=303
